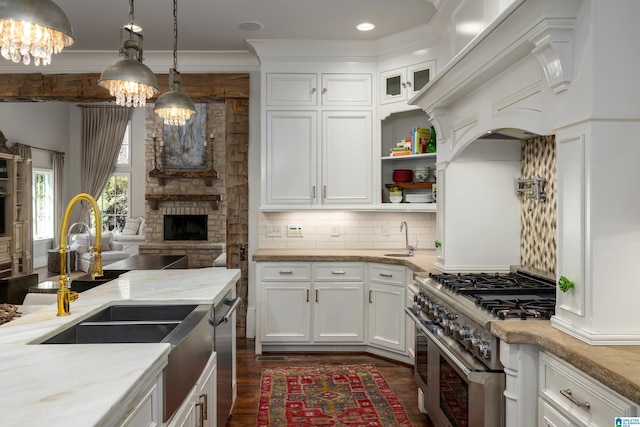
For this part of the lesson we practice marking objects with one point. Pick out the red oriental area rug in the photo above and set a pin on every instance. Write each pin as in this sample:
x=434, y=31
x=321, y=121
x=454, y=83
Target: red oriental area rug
x=341, y=395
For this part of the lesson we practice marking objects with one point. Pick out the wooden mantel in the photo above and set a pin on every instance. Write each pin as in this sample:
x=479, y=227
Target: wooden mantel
x=155, y=199
x=162, y=175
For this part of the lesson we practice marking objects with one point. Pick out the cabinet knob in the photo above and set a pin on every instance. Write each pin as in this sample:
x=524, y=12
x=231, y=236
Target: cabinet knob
x=324, y=90
x=408, y=84
x=313, y=90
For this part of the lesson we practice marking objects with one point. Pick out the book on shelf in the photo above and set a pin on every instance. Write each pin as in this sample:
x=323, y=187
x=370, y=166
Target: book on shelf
x=419, y=140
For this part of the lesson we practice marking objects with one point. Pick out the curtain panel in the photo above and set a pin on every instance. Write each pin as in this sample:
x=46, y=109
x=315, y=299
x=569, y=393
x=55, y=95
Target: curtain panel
x=103, y=128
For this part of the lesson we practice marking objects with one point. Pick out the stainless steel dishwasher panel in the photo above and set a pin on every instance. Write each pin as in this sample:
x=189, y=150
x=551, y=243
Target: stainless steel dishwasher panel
x=223, y=345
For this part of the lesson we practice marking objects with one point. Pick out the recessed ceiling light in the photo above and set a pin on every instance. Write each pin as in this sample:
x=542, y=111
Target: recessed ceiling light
x=365, y=26
x=250, y=26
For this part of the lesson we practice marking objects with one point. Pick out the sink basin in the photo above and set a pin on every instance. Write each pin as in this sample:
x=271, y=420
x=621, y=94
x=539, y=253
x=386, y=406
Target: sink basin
x=114, y=332
x=399, y=255
x=185, y=327
x=86, y=282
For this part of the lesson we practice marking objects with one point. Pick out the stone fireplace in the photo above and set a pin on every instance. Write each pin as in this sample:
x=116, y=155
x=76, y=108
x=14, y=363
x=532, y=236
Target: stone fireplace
x=187, y=204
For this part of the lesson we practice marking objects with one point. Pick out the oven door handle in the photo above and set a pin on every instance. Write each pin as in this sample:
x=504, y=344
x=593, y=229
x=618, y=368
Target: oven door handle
x=436, y=341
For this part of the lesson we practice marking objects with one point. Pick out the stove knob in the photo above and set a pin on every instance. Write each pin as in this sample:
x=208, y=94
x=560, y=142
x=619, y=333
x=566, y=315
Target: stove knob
x=471, y=342
x=462, y=333
x=451, y=328
x=482, y=349
x=435, y=315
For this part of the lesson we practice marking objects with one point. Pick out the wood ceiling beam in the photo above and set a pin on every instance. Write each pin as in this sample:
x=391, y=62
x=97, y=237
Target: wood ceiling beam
x=37, y=87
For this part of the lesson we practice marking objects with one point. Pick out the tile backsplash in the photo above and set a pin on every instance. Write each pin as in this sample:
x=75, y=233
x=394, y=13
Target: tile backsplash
x=355, y=230
x=538, y=220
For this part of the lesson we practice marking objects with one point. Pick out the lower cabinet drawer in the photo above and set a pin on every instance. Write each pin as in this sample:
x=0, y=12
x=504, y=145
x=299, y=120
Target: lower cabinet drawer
x=578, y=396
x=391, y=274
x=284, y=272
x=338, y=272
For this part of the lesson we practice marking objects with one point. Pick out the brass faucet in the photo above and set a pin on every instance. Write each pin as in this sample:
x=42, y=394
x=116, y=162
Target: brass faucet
x=65, y=295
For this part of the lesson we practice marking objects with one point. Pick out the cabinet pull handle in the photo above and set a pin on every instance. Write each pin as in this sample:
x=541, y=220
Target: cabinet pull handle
x=313, y=192
x=569, y=395
x=337, y=272
x=386, y=274
x=204, y=412
x=286, y=271
x=324, y=191
x=316, y=295
x=307, y=295
x=370, y=297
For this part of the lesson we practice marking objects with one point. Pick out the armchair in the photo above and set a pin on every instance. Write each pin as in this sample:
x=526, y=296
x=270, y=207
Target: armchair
x=111, y=251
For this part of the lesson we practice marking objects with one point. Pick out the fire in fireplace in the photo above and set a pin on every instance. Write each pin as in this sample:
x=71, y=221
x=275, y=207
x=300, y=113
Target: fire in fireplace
x=185, y=227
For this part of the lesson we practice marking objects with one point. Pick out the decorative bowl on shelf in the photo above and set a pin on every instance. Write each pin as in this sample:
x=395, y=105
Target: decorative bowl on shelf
x=402, y=175
x=421, y=174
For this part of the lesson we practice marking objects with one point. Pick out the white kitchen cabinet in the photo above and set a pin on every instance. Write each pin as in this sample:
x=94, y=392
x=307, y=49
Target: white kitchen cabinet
x=317, y=149
x=147, y=412
x=347, y=161
x=292, y=158
x=199, y=407
x=295, y=310
x=285, y=89
x=400, y=84
x=346, y=90
x=338, y=312
x=569, y=397
x=386, y=298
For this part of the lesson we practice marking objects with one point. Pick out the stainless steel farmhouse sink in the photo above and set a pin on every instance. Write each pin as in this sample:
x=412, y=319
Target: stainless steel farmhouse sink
x=185, y=327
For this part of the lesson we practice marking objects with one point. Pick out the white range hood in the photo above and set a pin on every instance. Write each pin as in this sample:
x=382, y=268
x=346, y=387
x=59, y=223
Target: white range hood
x=547, y=67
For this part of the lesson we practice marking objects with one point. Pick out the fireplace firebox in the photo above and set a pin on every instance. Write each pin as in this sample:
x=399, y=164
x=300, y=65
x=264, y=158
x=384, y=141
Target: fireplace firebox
x=185, y=227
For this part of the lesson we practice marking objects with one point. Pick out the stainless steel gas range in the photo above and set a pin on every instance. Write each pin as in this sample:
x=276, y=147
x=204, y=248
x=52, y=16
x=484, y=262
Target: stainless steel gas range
x=457, y=362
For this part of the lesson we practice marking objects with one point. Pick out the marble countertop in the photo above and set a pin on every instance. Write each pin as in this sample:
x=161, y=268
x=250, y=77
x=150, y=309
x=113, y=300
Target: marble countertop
x=92, y=384
x=614, y=366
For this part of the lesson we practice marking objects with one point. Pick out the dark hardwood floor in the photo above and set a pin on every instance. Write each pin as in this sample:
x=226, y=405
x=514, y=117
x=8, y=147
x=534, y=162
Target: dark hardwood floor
x=398, y=376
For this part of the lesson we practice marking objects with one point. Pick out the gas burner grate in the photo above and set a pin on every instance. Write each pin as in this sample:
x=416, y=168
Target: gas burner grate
x=538, y=308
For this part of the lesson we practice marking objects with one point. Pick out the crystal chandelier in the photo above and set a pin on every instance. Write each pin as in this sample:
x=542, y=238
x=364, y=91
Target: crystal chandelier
x=129, y=80
x=174, y=106
x=33, y=29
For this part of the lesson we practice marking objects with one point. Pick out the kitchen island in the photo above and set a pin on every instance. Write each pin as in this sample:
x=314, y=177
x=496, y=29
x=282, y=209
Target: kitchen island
x=93, y=384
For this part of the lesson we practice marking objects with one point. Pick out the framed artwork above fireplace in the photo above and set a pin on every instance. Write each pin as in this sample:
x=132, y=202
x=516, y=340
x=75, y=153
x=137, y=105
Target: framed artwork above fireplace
x=185, y=146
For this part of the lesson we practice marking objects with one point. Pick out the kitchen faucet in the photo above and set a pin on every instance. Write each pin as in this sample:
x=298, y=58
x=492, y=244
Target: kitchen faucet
x=410, y=249
x=65, y=295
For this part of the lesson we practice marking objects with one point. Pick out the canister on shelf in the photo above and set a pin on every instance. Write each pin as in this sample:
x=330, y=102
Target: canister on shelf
x=395, y=194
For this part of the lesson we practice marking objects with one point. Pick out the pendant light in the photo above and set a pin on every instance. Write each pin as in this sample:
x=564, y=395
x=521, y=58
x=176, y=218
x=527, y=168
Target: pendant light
x=174, y=106
x=128, y=79
x=33, y=29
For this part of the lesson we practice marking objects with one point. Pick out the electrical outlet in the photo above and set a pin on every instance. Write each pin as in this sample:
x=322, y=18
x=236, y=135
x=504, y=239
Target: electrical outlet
x=274, y=230
x=294, y=231
x=335, y=230
x=385, y=229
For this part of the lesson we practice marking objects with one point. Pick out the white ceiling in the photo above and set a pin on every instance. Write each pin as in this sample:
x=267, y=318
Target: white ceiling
x=212, y=25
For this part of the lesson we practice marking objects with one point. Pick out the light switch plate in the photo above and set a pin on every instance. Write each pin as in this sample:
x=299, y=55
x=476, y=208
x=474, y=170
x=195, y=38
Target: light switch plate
x=274, y=231
x=294, y=231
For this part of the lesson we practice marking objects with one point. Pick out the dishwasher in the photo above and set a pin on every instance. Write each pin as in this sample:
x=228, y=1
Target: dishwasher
x=223, y=324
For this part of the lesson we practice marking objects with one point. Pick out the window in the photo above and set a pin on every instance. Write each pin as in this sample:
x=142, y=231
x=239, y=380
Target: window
x=125, y=150
x=43, y=226
x=114, y=202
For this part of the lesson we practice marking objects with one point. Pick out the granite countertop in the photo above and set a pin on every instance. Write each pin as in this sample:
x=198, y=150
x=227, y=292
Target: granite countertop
x=422, y=261
x=92, y=384
x=614, y=366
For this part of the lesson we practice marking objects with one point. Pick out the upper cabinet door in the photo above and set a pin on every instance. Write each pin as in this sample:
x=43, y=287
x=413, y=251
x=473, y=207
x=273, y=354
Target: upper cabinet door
x=346, y=90
x=290, y=157
x=401, y=84
x=292, y=89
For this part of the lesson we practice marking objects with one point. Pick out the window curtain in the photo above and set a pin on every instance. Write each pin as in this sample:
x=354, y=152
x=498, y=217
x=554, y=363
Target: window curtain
x=24, y=151
x=103, y=128
x=57, y=159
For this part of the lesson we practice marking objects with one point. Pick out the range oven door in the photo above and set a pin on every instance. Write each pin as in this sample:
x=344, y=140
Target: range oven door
x=459, y=391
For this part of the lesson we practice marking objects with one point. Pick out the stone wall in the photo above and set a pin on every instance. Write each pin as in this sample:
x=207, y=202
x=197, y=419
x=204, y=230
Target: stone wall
x=201, y=254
